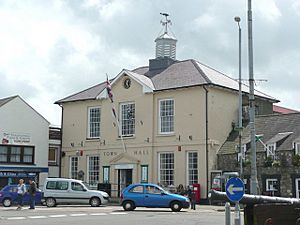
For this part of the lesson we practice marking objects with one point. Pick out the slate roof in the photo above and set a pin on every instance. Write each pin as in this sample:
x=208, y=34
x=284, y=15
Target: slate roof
x=275, y=127
x=3, y=101
x=180, y=74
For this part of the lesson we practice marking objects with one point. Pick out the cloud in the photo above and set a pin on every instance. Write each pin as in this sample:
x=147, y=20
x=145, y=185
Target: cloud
x=51, y=49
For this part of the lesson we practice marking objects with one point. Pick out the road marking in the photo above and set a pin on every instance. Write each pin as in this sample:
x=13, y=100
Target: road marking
x=37, y=217
x=98, y=214
x=118, y=213
x=57, y=216
x=16, y=218
x=79, y=214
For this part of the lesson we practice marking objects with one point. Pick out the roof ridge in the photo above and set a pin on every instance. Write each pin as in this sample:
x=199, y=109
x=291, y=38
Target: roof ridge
x=200, y=71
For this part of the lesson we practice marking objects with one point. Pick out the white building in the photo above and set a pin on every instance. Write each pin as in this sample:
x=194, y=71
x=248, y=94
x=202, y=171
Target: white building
x=24, y=142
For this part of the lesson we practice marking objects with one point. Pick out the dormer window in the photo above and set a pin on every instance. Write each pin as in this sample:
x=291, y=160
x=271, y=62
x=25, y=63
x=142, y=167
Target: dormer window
x=271, y=149
x=297, y=148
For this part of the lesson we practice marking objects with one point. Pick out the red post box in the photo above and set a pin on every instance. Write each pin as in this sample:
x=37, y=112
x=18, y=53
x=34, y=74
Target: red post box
x=196, y=190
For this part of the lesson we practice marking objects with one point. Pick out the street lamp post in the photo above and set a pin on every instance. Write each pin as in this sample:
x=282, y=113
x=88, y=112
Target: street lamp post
x=253, y=180
x=238, y=19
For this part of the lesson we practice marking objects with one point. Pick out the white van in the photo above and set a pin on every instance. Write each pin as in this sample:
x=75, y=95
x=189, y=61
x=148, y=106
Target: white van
x=71, y=191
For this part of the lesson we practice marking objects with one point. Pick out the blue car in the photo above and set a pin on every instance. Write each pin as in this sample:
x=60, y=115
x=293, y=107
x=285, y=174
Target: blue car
x=8, y=195
x=151, y=195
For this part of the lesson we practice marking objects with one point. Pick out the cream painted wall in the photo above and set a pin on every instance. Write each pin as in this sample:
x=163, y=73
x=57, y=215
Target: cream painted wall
x=189, y=129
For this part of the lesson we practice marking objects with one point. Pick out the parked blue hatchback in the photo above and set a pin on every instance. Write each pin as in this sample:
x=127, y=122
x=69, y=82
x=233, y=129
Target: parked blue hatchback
x=8, y=195
x=151, y=195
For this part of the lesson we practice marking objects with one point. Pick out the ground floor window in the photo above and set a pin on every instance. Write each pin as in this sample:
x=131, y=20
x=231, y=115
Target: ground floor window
x=192, y=167
x=166, y=169
x=74, y=167
x=93, y=170
x=272, y=186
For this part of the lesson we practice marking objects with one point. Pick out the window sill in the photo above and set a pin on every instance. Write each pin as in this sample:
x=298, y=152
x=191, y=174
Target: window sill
x=126, y=137
x=165, y=134
x=93, y=139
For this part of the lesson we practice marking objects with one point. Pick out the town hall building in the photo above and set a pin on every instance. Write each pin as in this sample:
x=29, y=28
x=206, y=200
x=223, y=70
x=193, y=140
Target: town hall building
x=161, y=123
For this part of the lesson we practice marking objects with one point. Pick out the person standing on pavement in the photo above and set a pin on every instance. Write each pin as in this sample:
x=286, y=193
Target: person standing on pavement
x=32, y=191
x=191, y=195
x=21, y=190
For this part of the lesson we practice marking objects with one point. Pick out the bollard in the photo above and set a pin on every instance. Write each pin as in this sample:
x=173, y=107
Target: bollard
x=237, y=215
x=227, y=213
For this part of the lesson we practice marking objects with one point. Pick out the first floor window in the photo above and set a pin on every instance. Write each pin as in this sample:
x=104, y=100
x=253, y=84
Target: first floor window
x=74, y=167
x=127, y=119
x=3, y=153
x=192, y=167
x=297, y=148
x=166, y=169
x=52, y=155
x=28, y=154
x=94, y=122
x=16, y=154
x=93, y=164
x=166, y=116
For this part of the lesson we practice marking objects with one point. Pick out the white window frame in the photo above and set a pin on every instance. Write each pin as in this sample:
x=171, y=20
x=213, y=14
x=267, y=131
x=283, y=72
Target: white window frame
x=71, y=166
x=159, y=116
x=93, y=172
x=297, y=148
x=244, y=149
x=188, y=169
x=273, y=180
x=271, y=150
x=169, y=182
x=89, y=132
x=132, y=132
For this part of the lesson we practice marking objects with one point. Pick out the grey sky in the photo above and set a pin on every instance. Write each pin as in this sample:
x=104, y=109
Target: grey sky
x=51, y=49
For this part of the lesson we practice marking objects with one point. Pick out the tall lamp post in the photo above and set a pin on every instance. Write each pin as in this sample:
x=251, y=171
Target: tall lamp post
x=253, y=180
x=238, y=19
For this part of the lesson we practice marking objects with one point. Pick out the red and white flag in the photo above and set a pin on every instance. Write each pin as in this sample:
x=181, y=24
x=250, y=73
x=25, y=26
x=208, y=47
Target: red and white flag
x=109, y=91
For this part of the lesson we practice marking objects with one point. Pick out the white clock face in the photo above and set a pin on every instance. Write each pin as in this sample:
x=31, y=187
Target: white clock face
x=127, y=83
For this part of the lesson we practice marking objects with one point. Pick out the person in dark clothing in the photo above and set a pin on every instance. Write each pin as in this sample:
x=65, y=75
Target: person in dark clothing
x=32, y=191
x=191, y=195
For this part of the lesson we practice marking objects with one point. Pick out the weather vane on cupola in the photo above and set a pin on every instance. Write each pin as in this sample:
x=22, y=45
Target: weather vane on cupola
x=166, y=22
x=166, y=42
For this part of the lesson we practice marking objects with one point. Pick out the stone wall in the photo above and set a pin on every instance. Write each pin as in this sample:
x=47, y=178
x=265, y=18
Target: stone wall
x=284, y=169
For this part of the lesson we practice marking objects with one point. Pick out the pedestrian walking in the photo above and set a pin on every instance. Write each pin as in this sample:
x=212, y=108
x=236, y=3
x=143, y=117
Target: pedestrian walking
x=21, y=190
x=32, y=191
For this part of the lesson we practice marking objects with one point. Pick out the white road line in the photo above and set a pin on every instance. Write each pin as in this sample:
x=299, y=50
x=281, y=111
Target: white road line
x=16, y=218
x=98, y=214
x=37, y=217
x=57, y=216
x=118, y=213
x=79, y=214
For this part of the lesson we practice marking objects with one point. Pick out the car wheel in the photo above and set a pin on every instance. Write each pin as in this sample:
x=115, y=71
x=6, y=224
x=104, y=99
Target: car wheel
x=50, y=202
x=94, y=202
x=7, y=202
x=128, y=206
x=176, y=206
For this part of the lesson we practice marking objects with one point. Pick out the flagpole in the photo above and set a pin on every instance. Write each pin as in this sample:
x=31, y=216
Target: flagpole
x=110, y=95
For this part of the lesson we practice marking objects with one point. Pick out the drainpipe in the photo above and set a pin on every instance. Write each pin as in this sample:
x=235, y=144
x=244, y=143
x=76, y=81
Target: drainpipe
x=206, y=136
x=61, y=134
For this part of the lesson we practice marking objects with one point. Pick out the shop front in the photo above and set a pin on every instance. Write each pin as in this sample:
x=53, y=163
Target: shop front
x=11, y=175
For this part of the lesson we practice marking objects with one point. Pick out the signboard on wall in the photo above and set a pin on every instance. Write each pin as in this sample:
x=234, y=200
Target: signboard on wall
x=14, y=138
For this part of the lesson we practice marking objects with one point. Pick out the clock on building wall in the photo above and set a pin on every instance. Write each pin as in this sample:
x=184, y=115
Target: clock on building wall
x=127, y=83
